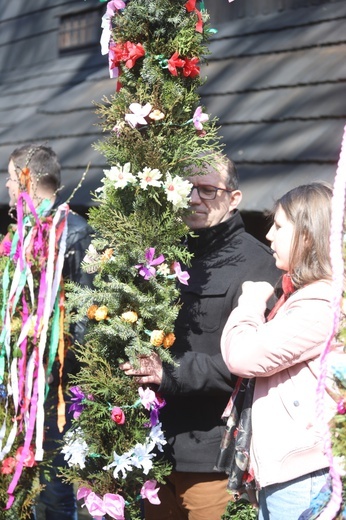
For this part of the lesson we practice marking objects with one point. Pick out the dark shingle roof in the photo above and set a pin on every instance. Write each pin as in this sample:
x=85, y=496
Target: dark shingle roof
x=275, y=81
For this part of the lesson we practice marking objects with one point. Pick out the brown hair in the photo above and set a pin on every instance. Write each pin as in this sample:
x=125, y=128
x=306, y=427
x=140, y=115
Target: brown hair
x=308, y=207
x=42, y=163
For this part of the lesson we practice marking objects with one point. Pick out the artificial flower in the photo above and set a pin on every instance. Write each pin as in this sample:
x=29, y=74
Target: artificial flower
x=134, y=51
x=121, y=464
x=149, y=177
x=175, y=62
x=149, y=491
x=177, y=191
x=341, y=407
x=75, y=449
x=118, y=415
x=198, y=118
x=129, y=316
x=155, y=407
x=29, y=460
x=107, y=255
x=77, y=407
x=148, y=270
x=101, y=313
x=120, y=176
x=114, y=506
x=92, y=311
x=164, y=269
x=90, y=260
x=183, y=276
x=157, y=436
x=191, y=6
x=147, y=397
x=168, y=340
x=8, y=466
x=95, y=506
x=118, y=128
x=142, y=457
x=138, y=115
x=156, y=337
x=190, y=68
x=156, y=115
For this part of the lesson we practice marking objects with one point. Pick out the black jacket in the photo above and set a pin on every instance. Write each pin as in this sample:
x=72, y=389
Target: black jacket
x=198, y=389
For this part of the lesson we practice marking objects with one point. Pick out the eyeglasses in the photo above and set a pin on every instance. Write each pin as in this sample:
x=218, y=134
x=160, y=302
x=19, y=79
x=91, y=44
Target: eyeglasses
x=208, y=192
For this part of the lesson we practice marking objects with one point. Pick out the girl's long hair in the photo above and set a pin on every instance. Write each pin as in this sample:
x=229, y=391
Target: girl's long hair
x=308, y=207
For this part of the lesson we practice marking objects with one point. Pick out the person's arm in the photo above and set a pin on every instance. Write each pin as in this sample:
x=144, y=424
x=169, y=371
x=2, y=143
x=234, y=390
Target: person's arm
x=253, y=348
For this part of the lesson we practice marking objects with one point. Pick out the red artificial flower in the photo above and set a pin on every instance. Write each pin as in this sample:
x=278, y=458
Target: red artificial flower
x=8, y=465
x=175, y=62
x=118, y=415
x=117, y=53
x=29, y=461
x=190, y=68
x=134, y=51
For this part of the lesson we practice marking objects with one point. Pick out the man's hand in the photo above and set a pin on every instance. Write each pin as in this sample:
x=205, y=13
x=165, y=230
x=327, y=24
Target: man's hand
x=148, y=372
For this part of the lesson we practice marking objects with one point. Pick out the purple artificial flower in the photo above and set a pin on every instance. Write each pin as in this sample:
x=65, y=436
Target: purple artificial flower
x=78, y=405
x=148, y=270
x=183, y=276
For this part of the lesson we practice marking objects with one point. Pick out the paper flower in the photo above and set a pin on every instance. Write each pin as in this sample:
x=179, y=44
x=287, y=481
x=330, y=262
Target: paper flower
x=198, y=118
x=142, y=457
x=120, y=176
x=183, y=276
x=75, y=449
x=110, y=504
x=148, y=270
x=121, y=464
x=175, y=62
x=118, y=415
x=8, y=466
x=134, y=51
x=157, y=436
x=77, y=407
x=149, y=491
x=191, y=68
x=156, y=115
x=168, y=340
x=91, y=311
x=149, y=177
x=101, y=313
x=177, y=191
x=129, y=316
x=156, y=337
x=147, y=397
x=139, y=112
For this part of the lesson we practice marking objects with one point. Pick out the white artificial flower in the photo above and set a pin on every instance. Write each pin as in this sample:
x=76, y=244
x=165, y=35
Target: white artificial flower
x=149, y=177
x=177, y=191
x=157, y=436
x=75, y=449
x=120, y=176
x=141, y=457
x=121, y=463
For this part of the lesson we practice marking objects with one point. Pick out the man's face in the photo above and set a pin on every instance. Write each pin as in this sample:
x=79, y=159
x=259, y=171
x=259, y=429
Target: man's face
x=12, y=184
x=208, y=213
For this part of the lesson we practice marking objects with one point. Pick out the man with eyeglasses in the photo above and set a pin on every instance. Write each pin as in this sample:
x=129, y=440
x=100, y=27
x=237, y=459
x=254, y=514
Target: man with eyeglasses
x=198, y=388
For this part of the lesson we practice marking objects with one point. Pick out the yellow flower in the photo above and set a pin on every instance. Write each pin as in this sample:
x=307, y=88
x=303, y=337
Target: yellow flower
x=107, y=255
x=129, y=316
x=101, y=313
x=156, y=115
x=91, y=311
x=168, y=340
x=156, y=337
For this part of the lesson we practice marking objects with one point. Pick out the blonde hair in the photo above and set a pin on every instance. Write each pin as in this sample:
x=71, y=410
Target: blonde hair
x=308, y=207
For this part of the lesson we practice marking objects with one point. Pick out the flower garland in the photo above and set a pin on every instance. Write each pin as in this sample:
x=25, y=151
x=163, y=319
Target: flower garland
x=32, y=256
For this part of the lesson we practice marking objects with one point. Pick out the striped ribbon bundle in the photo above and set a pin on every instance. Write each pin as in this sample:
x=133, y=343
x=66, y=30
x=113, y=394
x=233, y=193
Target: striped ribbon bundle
x=32, y=322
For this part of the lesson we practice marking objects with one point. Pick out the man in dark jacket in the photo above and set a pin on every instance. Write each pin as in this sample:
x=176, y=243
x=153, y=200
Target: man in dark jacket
x=36, y=170
x=198, y=388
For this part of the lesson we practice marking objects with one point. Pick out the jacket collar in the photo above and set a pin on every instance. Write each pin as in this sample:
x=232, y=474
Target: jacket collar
x=213, y=238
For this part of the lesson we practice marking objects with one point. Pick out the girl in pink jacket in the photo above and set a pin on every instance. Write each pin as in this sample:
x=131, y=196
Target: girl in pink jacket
x=287, y=447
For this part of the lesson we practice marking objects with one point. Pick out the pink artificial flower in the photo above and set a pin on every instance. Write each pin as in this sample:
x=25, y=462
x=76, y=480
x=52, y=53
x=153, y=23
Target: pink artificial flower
x=83, y=492
x=114, y=506
x=183, y=276
x=341, y=407
x=113, y=5
x=138, y=115
x=95, y=506
x=29, y=460
x=147, y=397
x=149, y=492
x=198, y=118
x=8, y=465
x=118, y=415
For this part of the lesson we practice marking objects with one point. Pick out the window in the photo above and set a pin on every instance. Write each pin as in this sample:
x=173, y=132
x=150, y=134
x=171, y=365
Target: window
x=81, y=29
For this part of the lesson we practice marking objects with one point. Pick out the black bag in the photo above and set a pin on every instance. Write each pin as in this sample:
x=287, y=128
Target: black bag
x=233, y=457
